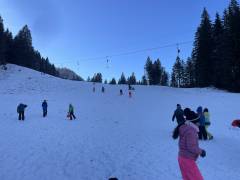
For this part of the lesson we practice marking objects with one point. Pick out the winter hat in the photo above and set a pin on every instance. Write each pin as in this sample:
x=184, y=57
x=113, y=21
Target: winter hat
x=191, y=116
x=205, y=110
x=186, y=112
x=199, y=110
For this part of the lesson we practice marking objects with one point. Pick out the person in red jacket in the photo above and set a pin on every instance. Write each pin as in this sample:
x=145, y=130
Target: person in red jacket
x=236, y=123
x=189, y=149
x=130, y=94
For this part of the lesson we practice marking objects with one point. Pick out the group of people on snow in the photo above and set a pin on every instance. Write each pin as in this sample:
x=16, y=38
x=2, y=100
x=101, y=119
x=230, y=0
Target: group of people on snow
x=102, y=89
x=120, y=91
x=202, y=116
x=21, y=110
x=192, y=126
x=21, y=107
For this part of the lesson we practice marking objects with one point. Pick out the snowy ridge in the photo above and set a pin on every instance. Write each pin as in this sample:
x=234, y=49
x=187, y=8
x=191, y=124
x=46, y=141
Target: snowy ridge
x=112, y=136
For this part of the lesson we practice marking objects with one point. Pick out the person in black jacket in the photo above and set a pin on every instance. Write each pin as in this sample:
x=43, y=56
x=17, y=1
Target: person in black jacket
x=178, y=114
x=20, y=110
x=44, y=107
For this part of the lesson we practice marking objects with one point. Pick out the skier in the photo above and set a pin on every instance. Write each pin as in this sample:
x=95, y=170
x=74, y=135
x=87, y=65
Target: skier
x=130, y=94
x=129, y=87
x=44, y=107
x=207, y=123
x=103, y=89
x=121, y=92
x=178, y=114
x=94, y=89
x=202, y=131
x=71, y=112
x=20, y=110
x=188, y=146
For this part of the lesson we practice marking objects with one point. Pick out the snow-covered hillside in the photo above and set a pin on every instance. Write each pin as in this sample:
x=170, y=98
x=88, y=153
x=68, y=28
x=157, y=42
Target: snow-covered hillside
x=112, y=136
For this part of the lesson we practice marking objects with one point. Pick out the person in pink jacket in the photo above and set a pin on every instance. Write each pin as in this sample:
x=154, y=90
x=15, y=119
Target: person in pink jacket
x=189, y=149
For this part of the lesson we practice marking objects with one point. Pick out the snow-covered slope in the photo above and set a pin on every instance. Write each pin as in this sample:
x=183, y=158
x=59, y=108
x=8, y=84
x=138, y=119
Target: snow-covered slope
x=112, y=136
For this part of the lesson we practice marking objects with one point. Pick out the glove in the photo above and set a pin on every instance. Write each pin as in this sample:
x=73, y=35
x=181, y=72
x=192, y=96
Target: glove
x=203, y=154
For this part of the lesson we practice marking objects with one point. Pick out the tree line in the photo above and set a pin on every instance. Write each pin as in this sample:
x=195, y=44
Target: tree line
x=155, y=74
x=215, y=59
x=20, y=51
x=123, y=80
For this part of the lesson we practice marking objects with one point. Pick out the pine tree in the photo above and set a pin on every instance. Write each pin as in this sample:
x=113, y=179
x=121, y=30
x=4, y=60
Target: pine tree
x=144, y=80
x=202, y=52
x=232, y=47
x=178, y=73
x=189, y=73
x=47, y=66
x=8, y=45
x=218, y=53
x=122, y=79
x=149, y=71
x=132, y=79
x=113, y=81
x=164, y=78
x=88, y=79
x=173, y=79
x=2, y=43
x=97, y=78
x=22, y=48
x=157, y=72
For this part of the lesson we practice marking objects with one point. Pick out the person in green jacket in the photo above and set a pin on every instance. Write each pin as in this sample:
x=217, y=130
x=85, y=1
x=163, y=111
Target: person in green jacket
x=71, y=112
x=207, y=123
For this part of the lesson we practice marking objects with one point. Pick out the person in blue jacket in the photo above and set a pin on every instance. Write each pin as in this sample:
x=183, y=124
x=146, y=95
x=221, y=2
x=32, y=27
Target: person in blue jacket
x=20, y=110
x=202, y=131
x=44, y=107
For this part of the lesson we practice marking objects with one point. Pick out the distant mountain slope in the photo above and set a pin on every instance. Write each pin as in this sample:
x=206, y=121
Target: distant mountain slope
x=66, y=73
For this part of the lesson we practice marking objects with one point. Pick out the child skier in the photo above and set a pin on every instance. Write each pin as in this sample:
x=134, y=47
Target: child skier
x=44, y=107
x=20, y=110
x=71, y=112
x=189, y=150
x=130, y=94
x=202, y=131
x=121, y=92
x=207, y=123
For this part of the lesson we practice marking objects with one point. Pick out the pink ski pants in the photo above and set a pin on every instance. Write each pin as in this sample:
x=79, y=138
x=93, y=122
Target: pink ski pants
x=189, y=169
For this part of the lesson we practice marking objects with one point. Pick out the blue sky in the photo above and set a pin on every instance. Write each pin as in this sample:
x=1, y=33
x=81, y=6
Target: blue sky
x=71, y=31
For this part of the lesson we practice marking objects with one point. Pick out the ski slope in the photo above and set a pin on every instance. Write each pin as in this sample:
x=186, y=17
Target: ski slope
x=113, y=135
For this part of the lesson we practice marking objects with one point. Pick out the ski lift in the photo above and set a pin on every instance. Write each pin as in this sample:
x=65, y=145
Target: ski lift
x=107, y=66
x=178, y=50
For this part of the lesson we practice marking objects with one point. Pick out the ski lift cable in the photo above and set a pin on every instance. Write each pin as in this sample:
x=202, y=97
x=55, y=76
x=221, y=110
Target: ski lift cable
x=130, y=52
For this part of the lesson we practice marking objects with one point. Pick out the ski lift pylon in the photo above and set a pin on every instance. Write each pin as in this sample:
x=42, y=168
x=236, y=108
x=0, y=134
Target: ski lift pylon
x=107, y=57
